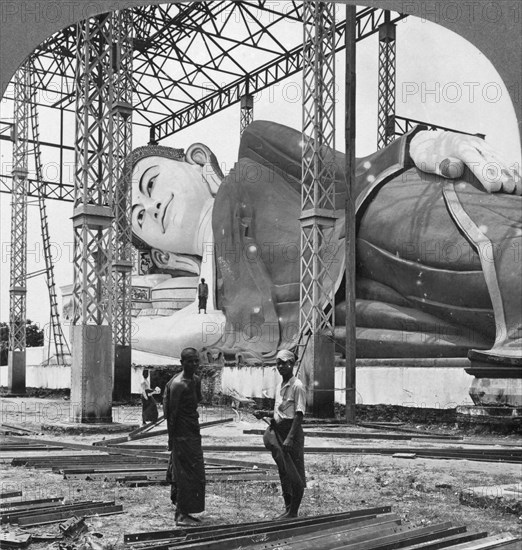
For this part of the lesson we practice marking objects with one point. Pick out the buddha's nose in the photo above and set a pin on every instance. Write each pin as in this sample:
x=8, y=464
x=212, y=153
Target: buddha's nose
x=154, y=208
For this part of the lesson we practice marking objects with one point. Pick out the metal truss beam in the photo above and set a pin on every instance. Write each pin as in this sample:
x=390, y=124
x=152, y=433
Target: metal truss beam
x=288, y=64
x=187, y=54
x=65, y=192
x=386, y=86
x=92, y=358
x=122, y=176
x=402, y=125
x=317, y=293
x=49, y=189
x=18, y=271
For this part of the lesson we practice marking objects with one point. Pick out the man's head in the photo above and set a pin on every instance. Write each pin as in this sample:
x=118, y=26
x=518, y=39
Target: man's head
x=285, y=361
x=145, y=373
x=169, y=191
x=202, y=280
x=189, y=362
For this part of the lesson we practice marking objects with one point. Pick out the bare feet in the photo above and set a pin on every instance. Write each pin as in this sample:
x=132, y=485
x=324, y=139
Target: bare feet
x=186, y=520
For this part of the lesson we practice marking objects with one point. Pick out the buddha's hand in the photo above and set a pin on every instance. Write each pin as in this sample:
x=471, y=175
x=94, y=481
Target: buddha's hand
x=447, y=153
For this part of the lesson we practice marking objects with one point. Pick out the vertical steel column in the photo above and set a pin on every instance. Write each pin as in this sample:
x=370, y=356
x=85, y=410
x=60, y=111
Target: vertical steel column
x=18, y=273
x=386, y=100
x=92, y=356
x=122, y=174
x=317, y=203
x=350, y=226
x=247, y=111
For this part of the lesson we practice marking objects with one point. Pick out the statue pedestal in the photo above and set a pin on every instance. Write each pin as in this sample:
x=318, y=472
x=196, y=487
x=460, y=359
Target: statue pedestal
x=498, y=379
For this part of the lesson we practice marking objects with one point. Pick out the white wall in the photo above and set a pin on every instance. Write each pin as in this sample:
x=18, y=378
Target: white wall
x=410, y=382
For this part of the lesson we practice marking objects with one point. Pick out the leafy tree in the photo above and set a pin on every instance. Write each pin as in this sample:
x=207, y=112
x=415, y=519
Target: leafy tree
x=34, y=338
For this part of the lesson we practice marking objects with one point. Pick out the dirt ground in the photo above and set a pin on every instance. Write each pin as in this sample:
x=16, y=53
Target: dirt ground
x=420, y=491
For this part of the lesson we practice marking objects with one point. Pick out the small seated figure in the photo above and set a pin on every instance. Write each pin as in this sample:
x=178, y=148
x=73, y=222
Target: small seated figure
x=438, y=245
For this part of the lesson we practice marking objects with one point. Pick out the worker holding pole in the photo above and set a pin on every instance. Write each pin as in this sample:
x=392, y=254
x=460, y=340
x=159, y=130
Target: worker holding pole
x=284, y=437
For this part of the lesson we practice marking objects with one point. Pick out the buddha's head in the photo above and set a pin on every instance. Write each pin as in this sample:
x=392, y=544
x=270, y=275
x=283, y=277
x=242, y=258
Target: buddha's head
x=170, y=190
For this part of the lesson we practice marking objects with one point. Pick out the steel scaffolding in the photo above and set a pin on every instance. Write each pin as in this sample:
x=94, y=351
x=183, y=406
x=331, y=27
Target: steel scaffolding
x=190, y=61
x=386, y=99
x=317, y=293
x=183, y=63
x=60, y=344
x=92, y=365
x=247, y=111
x=122, y=174
x=18, y=272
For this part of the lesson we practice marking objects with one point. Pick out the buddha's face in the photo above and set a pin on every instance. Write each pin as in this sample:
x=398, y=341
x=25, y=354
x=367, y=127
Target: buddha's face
x=167, y=199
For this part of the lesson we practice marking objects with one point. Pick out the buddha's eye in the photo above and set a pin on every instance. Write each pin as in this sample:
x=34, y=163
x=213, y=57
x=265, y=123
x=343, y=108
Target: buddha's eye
x=140, y=216
x=150, y=184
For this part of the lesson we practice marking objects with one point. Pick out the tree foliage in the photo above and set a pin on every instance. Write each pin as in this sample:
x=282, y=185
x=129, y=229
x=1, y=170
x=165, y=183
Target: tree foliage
x=34, y=338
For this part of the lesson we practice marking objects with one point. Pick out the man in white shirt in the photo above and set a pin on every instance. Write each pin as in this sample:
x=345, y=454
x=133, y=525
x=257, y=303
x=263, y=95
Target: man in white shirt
x=284, y=438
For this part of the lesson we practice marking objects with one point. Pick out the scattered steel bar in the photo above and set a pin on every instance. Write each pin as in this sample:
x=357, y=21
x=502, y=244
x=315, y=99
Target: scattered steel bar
x=360, y=435
x=13, y=517
x=59, y=516
x=136, y=436
x=22, y=503
x=512, y=455
x=237, y=527
x=108, y=450
x=10, y=494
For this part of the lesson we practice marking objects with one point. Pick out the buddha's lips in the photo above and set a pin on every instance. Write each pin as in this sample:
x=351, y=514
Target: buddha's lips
x=163, y=226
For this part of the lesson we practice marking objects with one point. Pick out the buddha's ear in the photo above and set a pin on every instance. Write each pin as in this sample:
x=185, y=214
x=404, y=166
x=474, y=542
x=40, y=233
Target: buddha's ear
x=200, y=154
x=160, y=258
x=165, y=260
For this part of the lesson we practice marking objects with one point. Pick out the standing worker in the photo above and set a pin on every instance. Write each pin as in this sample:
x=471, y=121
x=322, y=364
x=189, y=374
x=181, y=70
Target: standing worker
x=284, y=438
x=186, y=469
x=149, y=409
x=202, y=296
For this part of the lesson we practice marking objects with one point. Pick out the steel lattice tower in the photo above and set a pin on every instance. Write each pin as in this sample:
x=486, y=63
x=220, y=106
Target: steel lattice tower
x=247, y=111
x=122, y=264
x=18, y=274
x=386, y=99
x=92, y=366
x=317, y=202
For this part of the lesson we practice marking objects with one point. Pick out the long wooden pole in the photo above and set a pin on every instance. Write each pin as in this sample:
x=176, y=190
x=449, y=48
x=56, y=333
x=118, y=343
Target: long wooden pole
x=350, y=213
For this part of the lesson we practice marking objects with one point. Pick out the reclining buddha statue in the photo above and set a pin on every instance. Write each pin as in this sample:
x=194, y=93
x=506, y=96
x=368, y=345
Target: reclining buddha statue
x=438, y=217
